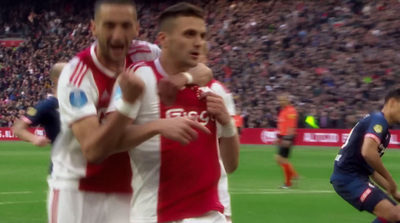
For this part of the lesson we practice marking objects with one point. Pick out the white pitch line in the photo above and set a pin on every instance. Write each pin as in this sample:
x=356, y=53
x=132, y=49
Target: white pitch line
x=21, y=202
x=16, y=192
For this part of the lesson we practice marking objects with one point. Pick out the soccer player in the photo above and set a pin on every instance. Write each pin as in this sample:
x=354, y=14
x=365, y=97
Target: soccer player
x=174, y=182
x=287, y=124
x=359, y=159
x=89, y=183
x=44, y=114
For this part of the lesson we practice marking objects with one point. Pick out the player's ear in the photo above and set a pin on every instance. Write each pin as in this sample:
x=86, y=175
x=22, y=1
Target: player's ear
x=93, y=27
x=162, y=38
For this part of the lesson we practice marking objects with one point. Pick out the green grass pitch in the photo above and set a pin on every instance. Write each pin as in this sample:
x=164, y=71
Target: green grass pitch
x=254, y=186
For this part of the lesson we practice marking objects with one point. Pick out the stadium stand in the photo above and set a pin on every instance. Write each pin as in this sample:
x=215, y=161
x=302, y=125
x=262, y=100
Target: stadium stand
x=337, y=58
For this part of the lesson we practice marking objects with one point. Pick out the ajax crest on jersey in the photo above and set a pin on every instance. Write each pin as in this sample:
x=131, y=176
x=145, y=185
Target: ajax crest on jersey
x=78, y=98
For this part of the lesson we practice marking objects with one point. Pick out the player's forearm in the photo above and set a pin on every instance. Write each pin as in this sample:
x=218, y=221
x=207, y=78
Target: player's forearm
x=20, y=129
x=229, y=150
x=134, y=135
x=97, y=144
x=380, y=180
x=373, y=159
x=201, y=74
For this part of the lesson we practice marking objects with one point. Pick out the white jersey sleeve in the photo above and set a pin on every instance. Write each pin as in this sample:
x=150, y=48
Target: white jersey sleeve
x=219, y=89
x=143, y=51
x=77, y=92
x=226, y=95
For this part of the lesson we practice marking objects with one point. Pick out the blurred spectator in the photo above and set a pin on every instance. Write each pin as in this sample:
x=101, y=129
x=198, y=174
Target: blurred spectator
x=336, y=57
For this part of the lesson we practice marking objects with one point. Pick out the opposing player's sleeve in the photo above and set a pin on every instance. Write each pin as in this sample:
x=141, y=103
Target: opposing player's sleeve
x=35, y=114
x=377, y=129
x=143, y=51
x=77, y=92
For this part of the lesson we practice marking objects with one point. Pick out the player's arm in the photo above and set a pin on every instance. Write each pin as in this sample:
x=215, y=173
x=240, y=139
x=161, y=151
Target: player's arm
x=229, y=141
x=380, y=180
x=370, y=153
x=20, y=127
x=78, y=109
x=178, y=129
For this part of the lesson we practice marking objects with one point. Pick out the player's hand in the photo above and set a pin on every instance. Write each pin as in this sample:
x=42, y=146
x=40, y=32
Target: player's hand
x=131, y=86
x=201, y=74
x=181, y=129
x=216, y=107
x=41, y=141
x=396, y=196
x=168, y=89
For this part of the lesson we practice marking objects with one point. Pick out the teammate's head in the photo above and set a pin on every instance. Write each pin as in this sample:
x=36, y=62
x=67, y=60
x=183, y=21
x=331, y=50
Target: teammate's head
x=284, y=99
x=391, y=109
x=182, y=32
x=55, y=72
x=115, y=26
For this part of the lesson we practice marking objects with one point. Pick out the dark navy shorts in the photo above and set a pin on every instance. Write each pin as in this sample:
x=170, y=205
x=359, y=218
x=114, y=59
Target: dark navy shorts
x=360, y=193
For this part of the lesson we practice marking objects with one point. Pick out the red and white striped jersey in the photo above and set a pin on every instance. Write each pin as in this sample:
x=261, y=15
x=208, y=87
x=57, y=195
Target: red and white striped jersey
x=85, y=89
x=173, y=182
x=142, y=51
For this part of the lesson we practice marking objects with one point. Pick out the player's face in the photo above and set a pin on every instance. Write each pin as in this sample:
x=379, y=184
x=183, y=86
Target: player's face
x=396, y=110
x=186, y=40
x=115, y=27
x=283, y=101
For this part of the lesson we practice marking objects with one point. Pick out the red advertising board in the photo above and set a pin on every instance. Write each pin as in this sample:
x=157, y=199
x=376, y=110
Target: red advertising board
x=6, y=134
x=11, y=42
x=308, y=137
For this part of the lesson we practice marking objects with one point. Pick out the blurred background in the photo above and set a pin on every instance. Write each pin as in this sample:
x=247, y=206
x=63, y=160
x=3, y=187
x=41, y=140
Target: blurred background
x=336, y=57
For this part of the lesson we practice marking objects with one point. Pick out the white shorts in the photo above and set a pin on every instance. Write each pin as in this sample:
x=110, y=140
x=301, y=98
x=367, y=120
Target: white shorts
x=210, y=217
x=72, y=206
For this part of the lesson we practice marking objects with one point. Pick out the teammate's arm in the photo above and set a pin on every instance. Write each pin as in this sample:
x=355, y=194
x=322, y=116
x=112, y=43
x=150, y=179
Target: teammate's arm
x=20, y=129
x=94, y=138
x=229, y=142
x=370, y=153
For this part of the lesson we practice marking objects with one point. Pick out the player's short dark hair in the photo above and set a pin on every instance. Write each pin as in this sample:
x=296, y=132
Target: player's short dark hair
x=99, y=3
x=395, y=93
x=178, y=10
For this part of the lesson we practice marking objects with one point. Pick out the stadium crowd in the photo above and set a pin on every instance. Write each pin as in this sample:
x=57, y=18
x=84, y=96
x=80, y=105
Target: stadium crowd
x=337, y=58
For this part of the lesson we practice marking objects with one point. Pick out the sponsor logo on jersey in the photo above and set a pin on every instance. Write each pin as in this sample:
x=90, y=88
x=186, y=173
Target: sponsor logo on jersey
x=78, y=98
x=203, y=117
x=378, y=128
x=31, y=111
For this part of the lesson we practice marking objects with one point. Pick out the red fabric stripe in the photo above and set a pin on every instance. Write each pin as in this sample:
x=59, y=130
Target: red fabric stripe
x=79, y=76
x=365, y=194
x=139, y=51
x=374, y=137
x=75, y=72
x=54, y=209
x=82, y=75
x=382, y=220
